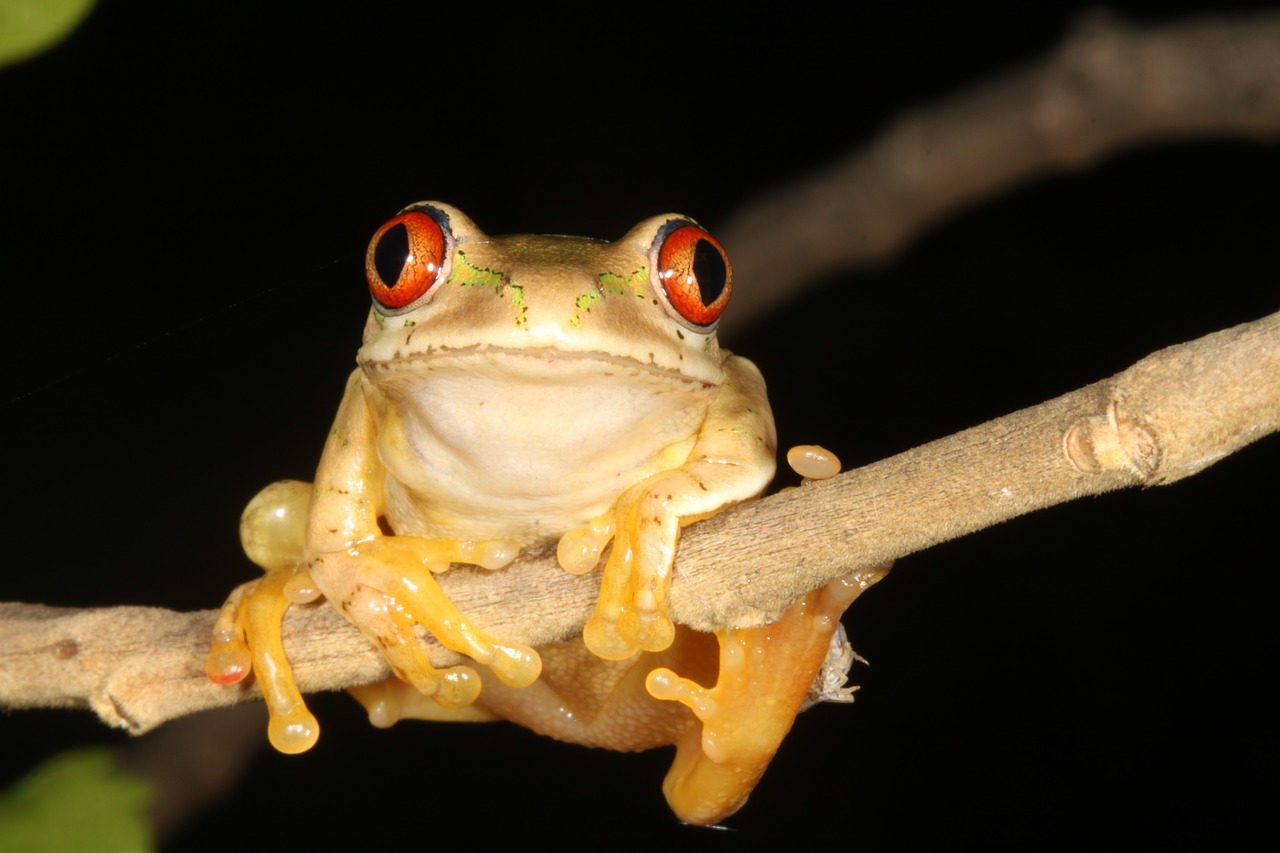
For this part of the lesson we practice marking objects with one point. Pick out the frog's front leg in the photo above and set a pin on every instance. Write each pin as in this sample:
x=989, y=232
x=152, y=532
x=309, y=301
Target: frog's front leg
x=732, y=460
x=383, y=583
x=247, y=636
x=765, y=676
x=384, y=586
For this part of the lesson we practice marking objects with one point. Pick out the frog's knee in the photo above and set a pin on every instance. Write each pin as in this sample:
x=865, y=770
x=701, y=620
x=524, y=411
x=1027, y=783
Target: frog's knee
x=273, y=526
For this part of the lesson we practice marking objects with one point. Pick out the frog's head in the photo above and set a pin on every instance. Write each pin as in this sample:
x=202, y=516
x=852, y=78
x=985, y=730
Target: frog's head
x=443, y=288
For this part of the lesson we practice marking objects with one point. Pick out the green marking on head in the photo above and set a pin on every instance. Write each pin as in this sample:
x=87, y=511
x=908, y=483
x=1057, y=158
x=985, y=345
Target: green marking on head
x=583, y=303
x=467, y=274
x=517, y=299
x=633, y=285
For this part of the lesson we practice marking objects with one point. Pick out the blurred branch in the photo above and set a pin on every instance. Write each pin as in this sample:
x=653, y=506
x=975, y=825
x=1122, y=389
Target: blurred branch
x=1107, y=88
x=1169, y=416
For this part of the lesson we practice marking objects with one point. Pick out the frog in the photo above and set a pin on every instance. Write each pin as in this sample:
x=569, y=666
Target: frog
x=524, y=391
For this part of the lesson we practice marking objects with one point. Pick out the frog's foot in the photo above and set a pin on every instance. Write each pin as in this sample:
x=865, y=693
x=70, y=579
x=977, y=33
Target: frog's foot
x=247, y=637
x=388, y=702
x=385, y=588
x=765, y=675
x=631, y=612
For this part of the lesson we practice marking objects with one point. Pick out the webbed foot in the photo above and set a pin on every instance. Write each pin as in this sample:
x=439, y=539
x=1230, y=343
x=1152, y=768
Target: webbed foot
x=765, y=675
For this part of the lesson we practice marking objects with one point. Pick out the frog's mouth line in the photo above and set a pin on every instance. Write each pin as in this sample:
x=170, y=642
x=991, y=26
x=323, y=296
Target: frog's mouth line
x=548, y=361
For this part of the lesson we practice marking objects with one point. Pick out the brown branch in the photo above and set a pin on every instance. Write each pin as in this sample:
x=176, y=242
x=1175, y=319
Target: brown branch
x=1169, y=416
x=1107, y=88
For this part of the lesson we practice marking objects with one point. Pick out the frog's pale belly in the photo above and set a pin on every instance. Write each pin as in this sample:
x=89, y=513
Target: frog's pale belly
x=472, y=453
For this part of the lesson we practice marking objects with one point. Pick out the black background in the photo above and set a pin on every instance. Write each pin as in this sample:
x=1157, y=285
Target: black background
x=186, y=198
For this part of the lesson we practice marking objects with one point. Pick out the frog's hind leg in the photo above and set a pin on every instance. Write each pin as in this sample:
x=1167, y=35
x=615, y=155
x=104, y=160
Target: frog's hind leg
x=765, y=678
x=246, y=636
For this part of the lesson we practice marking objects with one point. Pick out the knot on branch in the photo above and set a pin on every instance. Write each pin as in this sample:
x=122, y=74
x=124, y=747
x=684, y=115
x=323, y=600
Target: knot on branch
x=1115, y=441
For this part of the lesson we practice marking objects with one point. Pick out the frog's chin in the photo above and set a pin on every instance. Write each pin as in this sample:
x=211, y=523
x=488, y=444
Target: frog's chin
x=545, y=365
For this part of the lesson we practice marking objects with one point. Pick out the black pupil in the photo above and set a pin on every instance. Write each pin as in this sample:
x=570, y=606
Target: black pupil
x=709, y=270
x=391, y=252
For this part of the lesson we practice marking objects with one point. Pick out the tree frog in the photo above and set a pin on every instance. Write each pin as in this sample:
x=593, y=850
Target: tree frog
x=518, y=391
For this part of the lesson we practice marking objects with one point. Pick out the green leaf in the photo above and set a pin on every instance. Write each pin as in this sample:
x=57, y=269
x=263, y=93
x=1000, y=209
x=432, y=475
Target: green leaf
x=78, y=800
x=28, y=27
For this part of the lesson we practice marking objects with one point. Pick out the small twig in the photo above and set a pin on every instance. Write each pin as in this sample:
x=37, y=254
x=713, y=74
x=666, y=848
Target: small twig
x=1167, y=417
x=1108, y=87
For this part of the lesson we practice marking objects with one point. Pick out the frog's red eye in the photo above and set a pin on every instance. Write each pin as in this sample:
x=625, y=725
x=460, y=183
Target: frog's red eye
x=404, y=258
x=694, y=273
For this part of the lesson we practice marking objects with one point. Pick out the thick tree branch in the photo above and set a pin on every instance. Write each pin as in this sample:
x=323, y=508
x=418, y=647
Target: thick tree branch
x=1108, y=87
x=1167, y=417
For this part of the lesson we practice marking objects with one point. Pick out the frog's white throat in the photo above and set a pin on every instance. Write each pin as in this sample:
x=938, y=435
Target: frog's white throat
x=547, y=438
